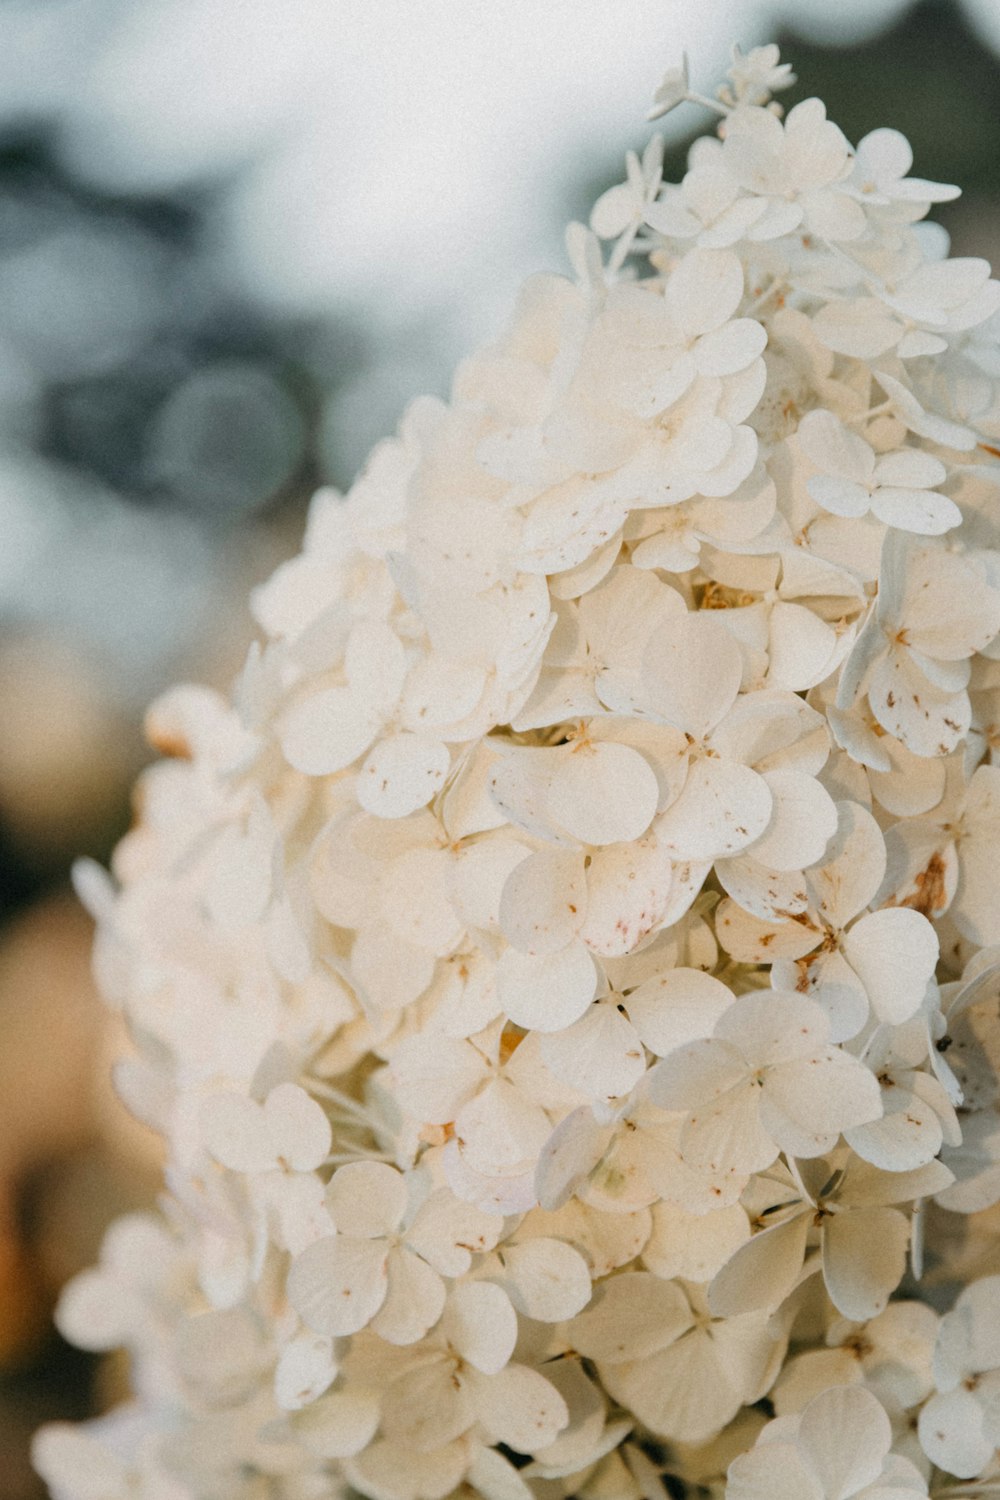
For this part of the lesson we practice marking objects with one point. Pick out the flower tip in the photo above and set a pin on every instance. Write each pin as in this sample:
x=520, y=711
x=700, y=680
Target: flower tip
x=673, y=90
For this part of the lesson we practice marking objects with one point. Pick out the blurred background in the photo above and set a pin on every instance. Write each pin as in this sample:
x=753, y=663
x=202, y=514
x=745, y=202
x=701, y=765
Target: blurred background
x=235, y=237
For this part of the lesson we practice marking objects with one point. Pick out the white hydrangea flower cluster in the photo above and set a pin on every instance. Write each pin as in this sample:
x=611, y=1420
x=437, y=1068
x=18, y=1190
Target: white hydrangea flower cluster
x=567, y=975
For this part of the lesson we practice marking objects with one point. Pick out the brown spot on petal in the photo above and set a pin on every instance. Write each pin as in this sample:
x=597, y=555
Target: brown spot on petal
x=929, y=896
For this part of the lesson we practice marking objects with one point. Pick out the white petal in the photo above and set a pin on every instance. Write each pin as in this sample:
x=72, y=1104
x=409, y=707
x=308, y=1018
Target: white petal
x=603, y=793
x=749, y=939
x=774, y=1471
x=727, y=1135
x=570, y=1154
x=762, y=1272
x=424, y=1410
x=884, y=154
x=235, y=1130
x=833, y=448
x=609, y=1240
x=697, y=1073
x=340, y=1424
x=976, y=907
x=928, y=424
x=951, y=1434
x=628, y=888
x=496, y=1479
x=723, y=808
x=600, y=1054
x=866, y=1186
x=388, y=972
x=618, y=619
x=910, y=468
x=549, y=992
x=520, y=780
x=894, y=953
x=401, y=774
x=478, y=874
x=910, y=784
x=854, y=868
x=74, y=1463
x=801, y=647
x=926, y=512
x=846, y=1434
x=546, y=1279
x=327, y=732
x=633, y=1315
x=677, y=1007
x=367, y=1199
x=612, y=212
x=480, y=1325
x=375, y=661
x=684, y=1392
x=97, y=1312
x=694, y=1246
x=769, y=895
x=769, y=1027
x=432, y=1076
x=498, y=1193
x=447, y=1232
x=803, y=820
x=864, y=1257
x=705, y=289
x=521, y=1409
x=414, y=1301
x=908, y=1135
x=841, y=497
x=304, y=1370
x=693, y=674
x=805, y=1104
x=440, y=692
x=500, y=1131
x=731, y=347
x=544, y=901
x=415, y=900
x=862, y=328
x=300, y=1131
x=337, y=1285
x=829, y=983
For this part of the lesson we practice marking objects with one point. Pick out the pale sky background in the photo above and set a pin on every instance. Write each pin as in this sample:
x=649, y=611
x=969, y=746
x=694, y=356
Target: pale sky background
x=410, y=160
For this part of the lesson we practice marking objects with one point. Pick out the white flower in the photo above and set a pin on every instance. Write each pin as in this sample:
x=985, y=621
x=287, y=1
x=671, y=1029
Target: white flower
x=618, y=213
x=565, y=971
x=113, y=1304
x=626, y=1163
x=766, y=1081
x=796, y=166
x=757, y=74
x=863, y=1237
x=663, y=1357
x=329, y=730
x=960, y=1424
x=837, y=1449
x=882, y=159
x=374, y=1271
x=852, y=962
x=890, y=1354
x=466, y=1376
x=673, y=90
x=289, y=1130
x=896, y=487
